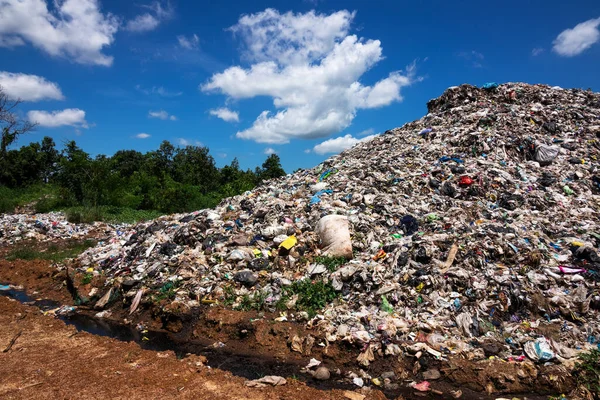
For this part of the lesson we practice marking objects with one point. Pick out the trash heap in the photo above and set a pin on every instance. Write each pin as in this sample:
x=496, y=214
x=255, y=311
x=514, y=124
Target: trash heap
x=477, y=223
x=41, y=227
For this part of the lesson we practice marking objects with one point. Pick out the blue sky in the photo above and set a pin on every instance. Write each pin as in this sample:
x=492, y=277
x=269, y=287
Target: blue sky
x=302, y=79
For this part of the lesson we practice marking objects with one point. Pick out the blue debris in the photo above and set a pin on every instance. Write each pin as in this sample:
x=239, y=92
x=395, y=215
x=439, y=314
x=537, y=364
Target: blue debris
x=490, y=85
x=317, y=196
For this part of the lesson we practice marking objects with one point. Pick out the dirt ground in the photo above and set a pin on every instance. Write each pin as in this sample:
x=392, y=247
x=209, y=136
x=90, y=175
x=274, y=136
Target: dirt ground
x=50, y=359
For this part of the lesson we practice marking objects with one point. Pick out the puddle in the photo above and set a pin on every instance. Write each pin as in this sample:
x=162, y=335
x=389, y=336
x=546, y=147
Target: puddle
x=248, y=365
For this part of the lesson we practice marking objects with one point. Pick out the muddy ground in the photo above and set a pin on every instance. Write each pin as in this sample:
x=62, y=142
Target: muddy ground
x=209, y=353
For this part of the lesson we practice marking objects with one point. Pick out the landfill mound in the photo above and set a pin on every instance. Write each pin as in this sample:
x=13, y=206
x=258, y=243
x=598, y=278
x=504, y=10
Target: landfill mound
x=44, y=227
x=479, y=221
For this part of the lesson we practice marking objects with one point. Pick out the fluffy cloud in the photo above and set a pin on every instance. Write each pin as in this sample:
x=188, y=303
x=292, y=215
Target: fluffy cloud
x=191, y=43
x=339, y=144
x=310, y=66
x=75, y=29
x=226, y=114
x=69, y=117
x=572, y=42
x=150, y=20
x=142, y=23
x=29, y=87
x=187, y=142
x=161, y=114
x=269, y=150
x=142, y=136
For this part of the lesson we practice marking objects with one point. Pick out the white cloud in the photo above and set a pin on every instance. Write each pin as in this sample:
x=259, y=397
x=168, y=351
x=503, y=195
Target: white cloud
x=339, y=144
x=142, y=136
x=159, y=90
x=142, y=23
x=70, y=117
x=29, y=87
x=269, y=150
x=225, y=114
x=150, y=20
x=311, y=68
x=191, y=43
x=75, y=29
x=161, y=114
x=572, y=42
x=366, y=132
x=537, y=51
x=187, y=142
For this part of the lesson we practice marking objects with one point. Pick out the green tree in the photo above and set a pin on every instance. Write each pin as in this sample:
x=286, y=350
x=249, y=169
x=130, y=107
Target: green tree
x=49, y=158
x=193, y=165
x=271, y=168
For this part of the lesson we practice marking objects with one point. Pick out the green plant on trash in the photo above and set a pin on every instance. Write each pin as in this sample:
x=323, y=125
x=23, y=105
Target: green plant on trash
x=87, y=278
x=331, y=263
x=166, y=292
x=312, y=295
x=247, y=302
x=587, y=371
x=252, y=302
x=229, y=295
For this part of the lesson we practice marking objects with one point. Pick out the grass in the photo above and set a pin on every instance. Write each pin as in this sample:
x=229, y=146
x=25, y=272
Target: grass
x=52, y=253
x=313, y=296
x=111, y=214
x=587, y=372
x=12, y=198
x=45, y=198
x=331, y=263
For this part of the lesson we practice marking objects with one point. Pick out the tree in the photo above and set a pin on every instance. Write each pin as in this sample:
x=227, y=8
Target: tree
x=12, y=126
x=49, y=158
x=272, y=168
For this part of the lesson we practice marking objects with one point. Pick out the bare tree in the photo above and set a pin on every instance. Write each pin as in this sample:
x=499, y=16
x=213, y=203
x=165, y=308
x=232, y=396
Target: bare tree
x=12, y=126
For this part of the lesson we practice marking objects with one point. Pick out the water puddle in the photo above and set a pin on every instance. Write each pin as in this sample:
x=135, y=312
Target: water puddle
x=247, y=365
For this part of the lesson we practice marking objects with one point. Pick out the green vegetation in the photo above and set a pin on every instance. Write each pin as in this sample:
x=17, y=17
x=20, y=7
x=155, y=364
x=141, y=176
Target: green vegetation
x=587, y=371
x=128, y=186
x=87, y=278
x=331, y=263
x=109, y=214
x=166, y=292
x=254, y=302
x=247, y=302
x=312, y=295
x=52, y=253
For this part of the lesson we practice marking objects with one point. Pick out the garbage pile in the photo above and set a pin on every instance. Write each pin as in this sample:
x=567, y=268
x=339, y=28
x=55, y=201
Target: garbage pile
x=476, y=224
x=41, y=227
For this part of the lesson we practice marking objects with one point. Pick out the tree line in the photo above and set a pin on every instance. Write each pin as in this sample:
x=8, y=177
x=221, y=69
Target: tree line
x=169, y=179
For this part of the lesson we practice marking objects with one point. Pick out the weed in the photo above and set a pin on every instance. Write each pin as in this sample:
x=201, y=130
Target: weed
x=255, y=302
x=229, y=295
x=331, y=263
x=166, y=292
x=87, y=278
x=312, y=296
x=52, y=253
x=587, y=371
